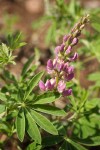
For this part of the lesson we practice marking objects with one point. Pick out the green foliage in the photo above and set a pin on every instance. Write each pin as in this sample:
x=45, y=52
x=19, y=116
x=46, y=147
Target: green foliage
x=32, y=128
x=6, y=55
x=59, y=16
x=20, y=124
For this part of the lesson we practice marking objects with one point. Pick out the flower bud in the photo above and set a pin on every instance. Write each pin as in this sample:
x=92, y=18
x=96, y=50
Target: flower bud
x=65, y=38
x=68, y=49
x=57, y=49
x=75, y=41
x=82, y=26
x=62, y=47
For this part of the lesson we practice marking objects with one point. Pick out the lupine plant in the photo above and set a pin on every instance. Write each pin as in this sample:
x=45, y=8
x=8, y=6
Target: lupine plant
x=33, y=114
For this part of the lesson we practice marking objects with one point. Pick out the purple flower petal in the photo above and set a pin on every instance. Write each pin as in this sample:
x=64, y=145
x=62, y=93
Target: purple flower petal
x=48, y=85
x=65, y=68
x=61, y=86
x=70, y=69
x=62, y=47
x=42, y=86
x=68, y=49
x=50, y=64
x=57, y=49
x=65, y=38
x=74, y=57
x=75, y=41
x=70, y=76
x=55, y=62
x=60, y=66
x=67, y=92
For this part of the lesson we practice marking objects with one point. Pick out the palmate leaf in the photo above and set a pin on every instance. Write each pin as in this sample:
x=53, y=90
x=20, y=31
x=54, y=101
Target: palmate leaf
x=15, y=41
x=33, y=82
x=43, y=122
x=20, y=124
x=47, y=97
x=49, y=109
x=32, y=128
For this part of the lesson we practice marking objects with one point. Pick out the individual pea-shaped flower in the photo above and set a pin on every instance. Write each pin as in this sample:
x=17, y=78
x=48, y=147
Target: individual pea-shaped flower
x=60, y=66
x=50, y=66
x=50, y=84
x=61, y=86
x=67, y=92
x=42, y=86
x=70, y=69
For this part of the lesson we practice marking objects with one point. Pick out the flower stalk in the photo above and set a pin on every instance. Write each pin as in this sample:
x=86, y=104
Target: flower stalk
x=60, y=68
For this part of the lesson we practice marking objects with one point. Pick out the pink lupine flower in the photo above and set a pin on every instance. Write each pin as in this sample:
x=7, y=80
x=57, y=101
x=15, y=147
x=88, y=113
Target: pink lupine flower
x=42, y=85
x=60, y=68
x=61, y=86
